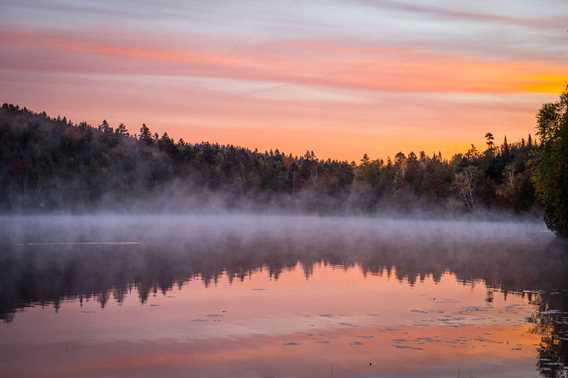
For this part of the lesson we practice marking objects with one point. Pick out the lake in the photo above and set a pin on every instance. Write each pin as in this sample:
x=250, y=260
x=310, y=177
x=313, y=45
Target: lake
x=280, y=296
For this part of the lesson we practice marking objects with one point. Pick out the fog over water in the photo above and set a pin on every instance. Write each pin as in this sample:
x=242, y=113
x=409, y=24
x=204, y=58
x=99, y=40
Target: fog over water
x=245, y=295
x=298, y=228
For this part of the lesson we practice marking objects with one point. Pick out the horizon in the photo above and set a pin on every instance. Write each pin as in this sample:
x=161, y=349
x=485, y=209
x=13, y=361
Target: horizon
x=340, y=78
x=135, y=133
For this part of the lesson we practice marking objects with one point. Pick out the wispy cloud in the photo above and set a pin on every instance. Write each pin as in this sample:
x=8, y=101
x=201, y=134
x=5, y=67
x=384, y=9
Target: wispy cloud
x=340, y=77
x=334, y=64
x=453, y=14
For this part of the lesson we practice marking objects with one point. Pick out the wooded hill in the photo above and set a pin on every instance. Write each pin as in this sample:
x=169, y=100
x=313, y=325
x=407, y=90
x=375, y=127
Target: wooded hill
x=53, y=164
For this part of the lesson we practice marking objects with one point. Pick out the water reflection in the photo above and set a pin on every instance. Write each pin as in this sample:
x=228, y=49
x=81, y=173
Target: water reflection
x=287, y=283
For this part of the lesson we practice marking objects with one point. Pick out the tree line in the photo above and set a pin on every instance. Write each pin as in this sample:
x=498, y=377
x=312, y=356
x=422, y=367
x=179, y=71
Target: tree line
x=52, y=164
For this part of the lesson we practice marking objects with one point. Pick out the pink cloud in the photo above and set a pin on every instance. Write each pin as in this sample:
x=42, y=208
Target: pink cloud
x=333, y=64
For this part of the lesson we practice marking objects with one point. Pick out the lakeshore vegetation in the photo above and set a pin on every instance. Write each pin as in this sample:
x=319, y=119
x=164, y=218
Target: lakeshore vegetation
x=49, y=164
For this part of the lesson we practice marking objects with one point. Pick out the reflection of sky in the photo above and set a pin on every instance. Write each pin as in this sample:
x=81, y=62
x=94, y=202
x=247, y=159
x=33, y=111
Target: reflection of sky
x=290, y=326
x=339, y=77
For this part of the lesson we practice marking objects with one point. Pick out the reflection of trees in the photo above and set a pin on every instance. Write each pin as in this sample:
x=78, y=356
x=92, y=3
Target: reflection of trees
x=47, y=275
x=551, y=321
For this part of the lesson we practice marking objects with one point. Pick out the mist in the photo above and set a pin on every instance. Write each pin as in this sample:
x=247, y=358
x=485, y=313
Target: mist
x=85, y=255
x=213, y=223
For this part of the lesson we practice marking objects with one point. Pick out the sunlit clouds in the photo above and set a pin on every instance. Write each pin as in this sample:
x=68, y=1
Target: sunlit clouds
x=340, y=78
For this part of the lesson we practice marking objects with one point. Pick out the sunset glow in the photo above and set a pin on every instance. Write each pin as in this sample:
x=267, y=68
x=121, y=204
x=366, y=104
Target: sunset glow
x=341, y=78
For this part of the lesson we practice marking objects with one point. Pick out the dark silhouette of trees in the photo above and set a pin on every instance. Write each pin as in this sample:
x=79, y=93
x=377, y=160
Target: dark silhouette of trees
x=489, y=138
x=51, y=164
x=121, y=130
x=551, y=173
x=145, y=135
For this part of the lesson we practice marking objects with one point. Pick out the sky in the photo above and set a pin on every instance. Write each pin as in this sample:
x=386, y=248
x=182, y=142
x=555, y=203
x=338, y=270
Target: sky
x=341, y=78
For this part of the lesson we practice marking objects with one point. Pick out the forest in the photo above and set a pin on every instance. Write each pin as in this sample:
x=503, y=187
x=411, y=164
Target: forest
x=52, y=164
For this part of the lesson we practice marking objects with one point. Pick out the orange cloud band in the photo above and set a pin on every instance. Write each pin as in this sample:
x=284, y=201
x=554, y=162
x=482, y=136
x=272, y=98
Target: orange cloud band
x=318, y=63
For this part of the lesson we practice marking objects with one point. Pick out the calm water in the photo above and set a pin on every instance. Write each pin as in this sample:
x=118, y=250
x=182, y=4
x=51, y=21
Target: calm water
x=259, y=296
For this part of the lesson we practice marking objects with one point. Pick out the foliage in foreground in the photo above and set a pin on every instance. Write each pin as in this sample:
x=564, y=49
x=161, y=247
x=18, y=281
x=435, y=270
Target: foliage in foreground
x=551, y=172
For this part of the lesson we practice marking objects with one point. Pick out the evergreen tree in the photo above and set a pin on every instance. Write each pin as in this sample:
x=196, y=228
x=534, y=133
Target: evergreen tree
x=490, y=141
x=105, y=128
x=505, y=149
x=146, y=135
x=121, y=130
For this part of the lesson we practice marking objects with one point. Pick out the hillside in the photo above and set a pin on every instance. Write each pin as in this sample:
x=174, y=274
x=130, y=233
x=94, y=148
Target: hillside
x=49, y=164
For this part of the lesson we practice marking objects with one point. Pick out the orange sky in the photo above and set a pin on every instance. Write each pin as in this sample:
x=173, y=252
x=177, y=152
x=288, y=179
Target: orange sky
x=341, y=79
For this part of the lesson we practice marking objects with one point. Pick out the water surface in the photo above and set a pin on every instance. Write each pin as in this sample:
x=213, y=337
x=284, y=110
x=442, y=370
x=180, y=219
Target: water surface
x=274, y=296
